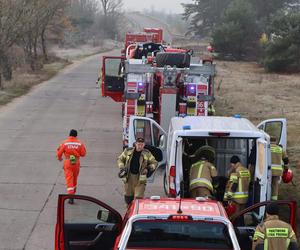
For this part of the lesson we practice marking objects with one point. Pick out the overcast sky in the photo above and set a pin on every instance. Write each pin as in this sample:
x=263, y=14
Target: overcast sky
x=173, y=6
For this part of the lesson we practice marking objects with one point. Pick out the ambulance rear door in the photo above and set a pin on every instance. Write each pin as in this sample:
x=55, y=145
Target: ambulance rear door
x=261, y=189
x=276, y=127
x=154, y=135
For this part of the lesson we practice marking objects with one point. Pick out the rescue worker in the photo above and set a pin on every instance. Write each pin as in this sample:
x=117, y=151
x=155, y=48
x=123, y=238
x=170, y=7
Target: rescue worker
x=72, y=149
x=136, y=164
x=202, y=174
x=273, y=233
x=279, y=161
x=238, y=184
x=211, y=110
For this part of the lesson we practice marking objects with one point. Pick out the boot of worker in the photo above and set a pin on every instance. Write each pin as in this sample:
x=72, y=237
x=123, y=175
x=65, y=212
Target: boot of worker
x=71, y=201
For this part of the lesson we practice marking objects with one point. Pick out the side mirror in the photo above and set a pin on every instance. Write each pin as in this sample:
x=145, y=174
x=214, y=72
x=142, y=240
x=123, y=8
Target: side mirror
x=162, y=141
x=103, y=215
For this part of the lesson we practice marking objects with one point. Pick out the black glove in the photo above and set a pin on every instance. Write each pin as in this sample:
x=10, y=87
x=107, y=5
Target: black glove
x=149, y=173
x=122, y=173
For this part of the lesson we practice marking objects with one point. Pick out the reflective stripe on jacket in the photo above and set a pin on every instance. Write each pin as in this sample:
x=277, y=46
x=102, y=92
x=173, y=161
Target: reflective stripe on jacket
x=238, y=185
x=277, y=155
x=147, y=160
x=71, y=146
x=274, y=234
x=201, y=174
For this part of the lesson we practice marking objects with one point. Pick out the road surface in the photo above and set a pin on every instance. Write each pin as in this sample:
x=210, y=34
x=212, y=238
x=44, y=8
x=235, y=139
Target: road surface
x=31, y=178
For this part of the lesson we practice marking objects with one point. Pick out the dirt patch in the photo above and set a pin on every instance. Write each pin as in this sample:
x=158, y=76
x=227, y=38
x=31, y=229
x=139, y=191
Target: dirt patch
x=244, y=88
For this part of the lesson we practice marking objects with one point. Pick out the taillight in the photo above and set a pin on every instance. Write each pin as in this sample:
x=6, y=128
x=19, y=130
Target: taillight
x=180, y=217
x=172, y=189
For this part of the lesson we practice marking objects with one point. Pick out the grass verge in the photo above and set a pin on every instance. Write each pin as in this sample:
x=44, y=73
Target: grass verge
x=23, y=81
x=244, y=88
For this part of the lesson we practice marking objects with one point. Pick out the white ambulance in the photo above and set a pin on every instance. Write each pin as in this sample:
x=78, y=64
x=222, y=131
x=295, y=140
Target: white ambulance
x=227, y=135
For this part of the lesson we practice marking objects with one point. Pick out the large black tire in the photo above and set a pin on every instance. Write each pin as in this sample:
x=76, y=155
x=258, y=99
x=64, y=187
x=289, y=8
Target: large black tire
x=180, y=60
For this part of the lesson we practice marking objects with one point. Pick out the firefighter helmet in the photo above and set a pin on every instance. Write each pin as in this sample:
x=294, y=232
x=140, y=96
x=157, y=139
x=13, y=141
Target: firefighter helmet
x=287, y=176
x=206, y=152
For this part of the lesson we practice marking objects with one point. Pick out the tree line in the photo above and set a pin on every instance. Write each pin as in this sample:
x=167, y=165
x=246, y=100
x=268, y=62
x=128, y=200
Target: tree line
x=27, y=27
x=264, y=30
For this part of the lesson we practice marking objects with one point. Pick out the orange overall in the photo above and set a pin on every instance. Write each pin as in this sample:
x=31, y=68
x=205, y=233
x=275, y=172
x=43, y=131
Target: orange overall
x=73, y=148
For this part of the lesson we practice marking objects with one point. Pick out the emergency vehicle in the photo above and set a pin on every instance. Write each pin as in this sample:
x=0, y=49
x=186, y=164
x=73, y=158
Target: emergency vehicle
x=157, y=81
x=227, y=135
x=157, y=223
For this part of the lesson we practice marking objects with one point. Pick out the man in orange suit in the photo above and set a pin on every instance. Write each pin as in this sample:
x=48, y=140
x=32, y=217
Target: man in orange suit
x=72, y=149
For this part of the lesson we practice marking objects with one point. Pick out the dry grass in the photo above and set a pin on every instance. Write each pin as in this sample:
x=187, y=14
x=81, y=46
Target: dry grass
x=23, y=81
x=244, y=88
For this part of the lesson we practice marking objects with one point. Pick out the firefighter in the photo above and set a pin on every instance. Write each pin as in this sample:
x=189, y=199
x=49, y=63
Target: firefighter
x=211, y=110
x=279, y=161
x=202, y=173
x=238, y=184
x=72, y=149
x=273, y=233
x=136, y=165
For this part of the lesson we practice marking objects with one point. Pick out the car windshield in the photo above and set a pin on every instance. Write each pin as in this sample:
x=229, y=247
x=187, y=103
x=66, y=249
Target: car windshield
x=179, y=234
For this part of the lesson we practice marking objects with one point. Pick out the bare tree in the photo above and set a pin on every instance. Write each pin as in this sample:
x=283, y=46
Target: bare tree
x=111, y=6
x=12, y=18
x=111, y=19
x=41, y=14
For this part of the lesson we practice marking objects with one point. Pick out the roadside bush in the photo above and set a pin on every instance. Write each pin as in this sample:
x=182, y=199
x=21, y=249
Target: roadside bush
x=282, y=53
x=237, y=36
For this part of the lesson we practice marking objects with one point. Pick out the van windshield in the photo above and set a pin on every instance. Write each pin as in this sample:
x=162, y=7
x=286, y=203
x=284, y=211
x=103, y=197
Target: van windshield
x=177, y=234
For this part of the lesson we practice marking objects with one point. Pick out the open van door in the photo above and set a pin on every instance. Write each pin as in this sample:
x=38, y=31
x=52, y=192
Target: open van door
x=112, y=77
x=247, y=220
x=86, y=224
x=277, y=128
x=262, y=186
x=154, y=135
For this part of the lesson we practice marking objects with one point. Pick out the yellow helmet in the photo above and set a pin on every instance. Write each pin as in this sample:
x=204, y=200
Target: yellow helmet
x=206, y=152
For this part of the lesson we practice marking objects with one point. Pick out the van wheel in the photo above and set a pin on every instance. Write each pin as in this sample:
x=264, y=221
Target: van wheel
x=165, y=184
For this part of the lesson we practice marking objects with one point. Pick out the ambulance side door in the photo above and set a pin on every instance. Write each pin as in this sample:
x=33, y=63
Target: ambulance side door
x=277, y=128
x=247, y=220
x=87, y=224
x=112, y=77
x=154, y=135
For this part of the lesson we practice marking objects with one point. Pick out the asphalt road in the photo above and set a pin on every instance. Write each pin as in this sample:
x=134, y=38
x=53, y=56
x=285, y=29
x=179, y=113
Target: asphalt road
x=31, y=178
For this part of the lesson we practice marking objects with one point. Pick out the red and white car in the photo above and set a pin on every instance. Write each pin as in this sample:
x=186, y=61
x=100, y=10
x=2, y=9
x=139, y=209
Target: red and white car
x=157, y=223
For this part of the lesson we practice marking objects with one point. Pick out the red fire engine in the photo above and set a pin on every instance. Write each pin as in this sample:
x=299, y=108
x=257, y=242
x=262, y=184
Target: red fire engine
x=158, y=223
x=157, y=81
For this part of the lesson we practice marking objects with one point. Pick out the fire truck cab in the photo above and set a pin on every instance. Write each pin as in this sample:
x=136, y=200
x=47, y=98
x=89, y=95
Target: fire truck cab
x=157, y=223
